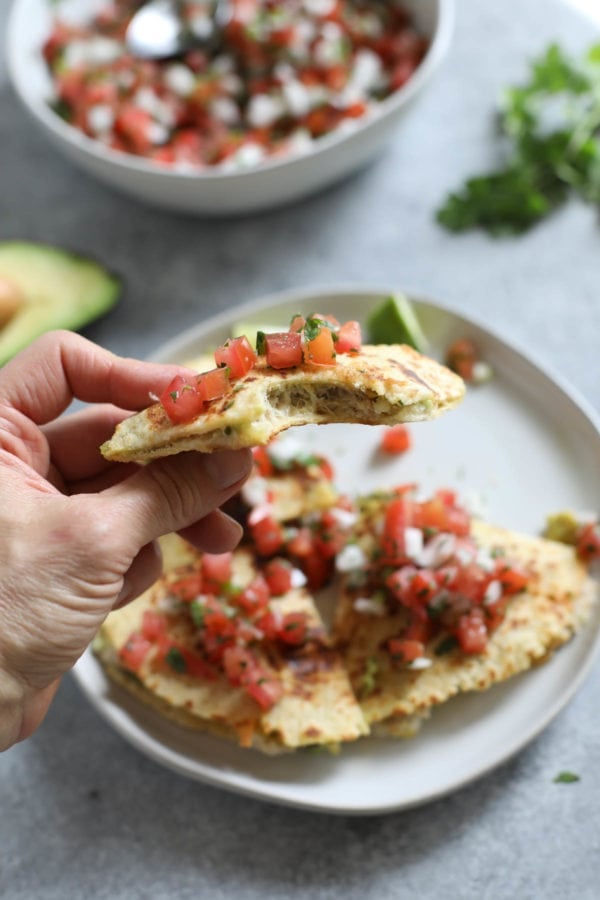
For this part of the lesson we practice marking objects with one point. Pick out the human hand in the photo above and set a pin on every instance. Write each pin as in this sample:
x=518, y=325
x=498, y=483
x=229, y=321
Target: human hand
x=78, y=534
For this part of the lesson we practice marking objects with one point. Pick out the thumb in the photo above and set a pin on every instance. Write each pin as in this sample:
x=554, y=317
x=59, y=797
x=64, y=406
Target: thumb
x=175, y=492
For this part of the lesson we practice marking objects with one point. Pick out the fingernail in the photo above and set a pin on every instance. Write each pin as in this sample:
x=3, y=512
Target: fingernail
x=227, y=467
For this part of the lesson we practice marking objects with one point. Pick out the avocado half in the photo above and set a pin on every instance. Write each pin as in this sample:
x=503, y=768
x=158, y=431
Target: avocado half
x=59, y=289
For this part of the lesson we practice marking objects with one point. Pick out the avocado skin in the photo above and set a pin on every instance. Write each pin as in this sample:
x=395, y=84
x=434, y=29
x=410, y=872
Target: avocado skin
x=61, y=290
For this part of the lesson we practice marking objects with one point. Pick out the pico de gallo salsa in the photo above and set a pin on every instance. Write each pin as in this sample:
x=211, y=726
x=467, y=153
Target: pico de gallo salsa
x=227, y=626
x=418, y=556
x=314, y=341
x=281, y=75
x=399, y=553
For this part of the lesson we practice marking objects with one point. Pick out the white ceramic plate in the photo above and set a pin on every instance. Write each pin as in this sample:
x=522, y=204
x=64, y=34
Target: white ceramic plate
x=525, y=445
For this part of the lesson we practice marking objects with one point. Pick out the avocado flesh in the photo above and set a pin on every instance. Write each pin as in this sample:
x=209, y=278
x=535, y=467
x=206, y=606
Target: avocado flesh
x=60, y=290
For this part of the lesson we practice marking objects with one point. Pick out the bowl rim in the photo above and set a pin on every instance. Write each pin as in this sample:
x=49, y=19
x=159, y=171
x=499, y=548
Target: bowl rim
x=67, y=134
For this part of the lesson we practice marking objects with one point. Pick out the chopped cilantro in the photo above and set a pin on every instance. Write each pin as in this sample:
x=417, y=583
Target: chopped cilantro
x=552, y=124
x=175, y=659
x=197, y=612
x=446, y=645
x=566, y=778
x=261, y=343
x=368, y=678
x=312, y=328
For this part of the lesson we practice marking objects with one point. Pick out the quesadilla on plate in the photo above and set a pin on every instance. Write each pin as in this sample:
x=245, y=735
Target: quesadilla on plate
x=454, y=611
x=217, y=645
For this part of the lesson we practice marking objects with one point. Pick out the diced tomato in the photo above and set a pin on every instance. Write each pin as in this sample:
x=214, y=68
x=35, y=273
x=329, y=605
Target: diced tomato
x=471, y=632
x=265, y=691
x=134, y=125
x=237, y=355
x=283, y=349
x=317, y=568
x=402, y=650
x=494, y=614
x=329, y=537
x=471, y=582
x=396, y=439
x=263, y=462
x=301, y=544
x=197, y=667
x=588, y=542
x=327, y=470
x=439, y=513
x=297, y=323
x=412, y=587
x=278, y=575
x=153, y=624
x=218, y=623
x=512, y=579
x=461, y=357
x=134, y=651
x=180, y=659
x=320, y=351
x=213, y=385
x=188, y=587
x=293, y=628
x=398, y=517
x=240, y=665
x=420, y=627
x=181, y=401
x=255, y=596
x=267, y=623
x=268, y=535
x=349, y=339
x=216, y=571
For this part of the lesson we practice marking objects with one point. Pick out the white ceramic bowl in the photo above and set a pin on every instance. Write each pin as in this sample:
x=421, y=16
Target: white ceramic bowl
x=270, y=184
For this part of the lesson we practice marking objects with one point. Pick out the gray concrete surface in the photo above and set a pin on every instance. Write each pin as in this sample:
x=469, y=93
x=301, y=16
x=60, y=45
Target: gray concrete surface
x=84, y=815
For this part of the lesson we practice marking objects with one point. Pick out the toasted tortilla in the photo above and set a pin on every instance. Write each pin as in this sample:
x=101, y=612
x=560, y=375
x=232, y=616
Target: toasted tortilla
x=318, y=706
x=380, y=385
x=557, y=603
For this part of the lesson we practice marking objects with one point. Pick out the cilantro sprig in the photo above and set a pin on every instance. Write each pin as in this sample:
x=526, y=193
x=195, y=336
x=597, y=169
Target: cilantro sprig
x=552, y=128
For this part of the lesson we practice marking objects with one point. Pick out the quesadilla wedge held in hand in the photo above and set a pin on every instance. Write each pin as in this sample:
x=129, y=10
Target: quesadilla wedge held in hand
x=376, y=385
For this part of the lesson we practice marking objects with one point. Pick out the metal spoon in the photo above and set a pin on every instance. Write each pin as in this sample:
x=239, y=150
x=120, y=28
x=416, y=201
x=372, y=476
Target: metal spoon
x=157, y=31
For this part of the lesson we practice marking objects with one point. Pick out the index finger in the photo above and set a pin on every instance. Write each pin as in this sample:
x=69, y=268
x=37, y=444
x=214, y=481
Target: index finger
x=44, y=378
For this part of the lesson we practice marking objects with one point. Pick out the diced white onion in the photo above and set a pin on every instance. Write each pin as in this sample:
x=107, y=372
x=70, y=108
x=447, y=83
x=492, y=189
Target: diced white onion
x=369, y=605
x=296, y=97
x=180, y=79
x=298, y=578
x=413, y=542
x=421, y=662
x=100, y=118
x=366, y=71
x=350, y=558
x=263, y=110
x=346, y=518
x=255, y=491
x=493, y=592
x=319, y=7
x=437, y=551
x=248, y=155
x=285, y=449
x=225, y=110
x=485, y=560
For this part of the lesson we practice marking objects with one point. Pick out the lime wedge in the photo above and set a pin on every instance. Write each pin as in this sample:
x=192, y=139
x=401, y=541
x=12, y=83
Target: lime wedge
x=394, y=321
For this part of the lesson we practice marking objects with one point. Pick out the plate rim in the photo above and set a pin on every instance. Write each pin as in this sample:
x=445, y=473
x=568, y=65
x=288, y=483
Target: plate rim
x=273, y=793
